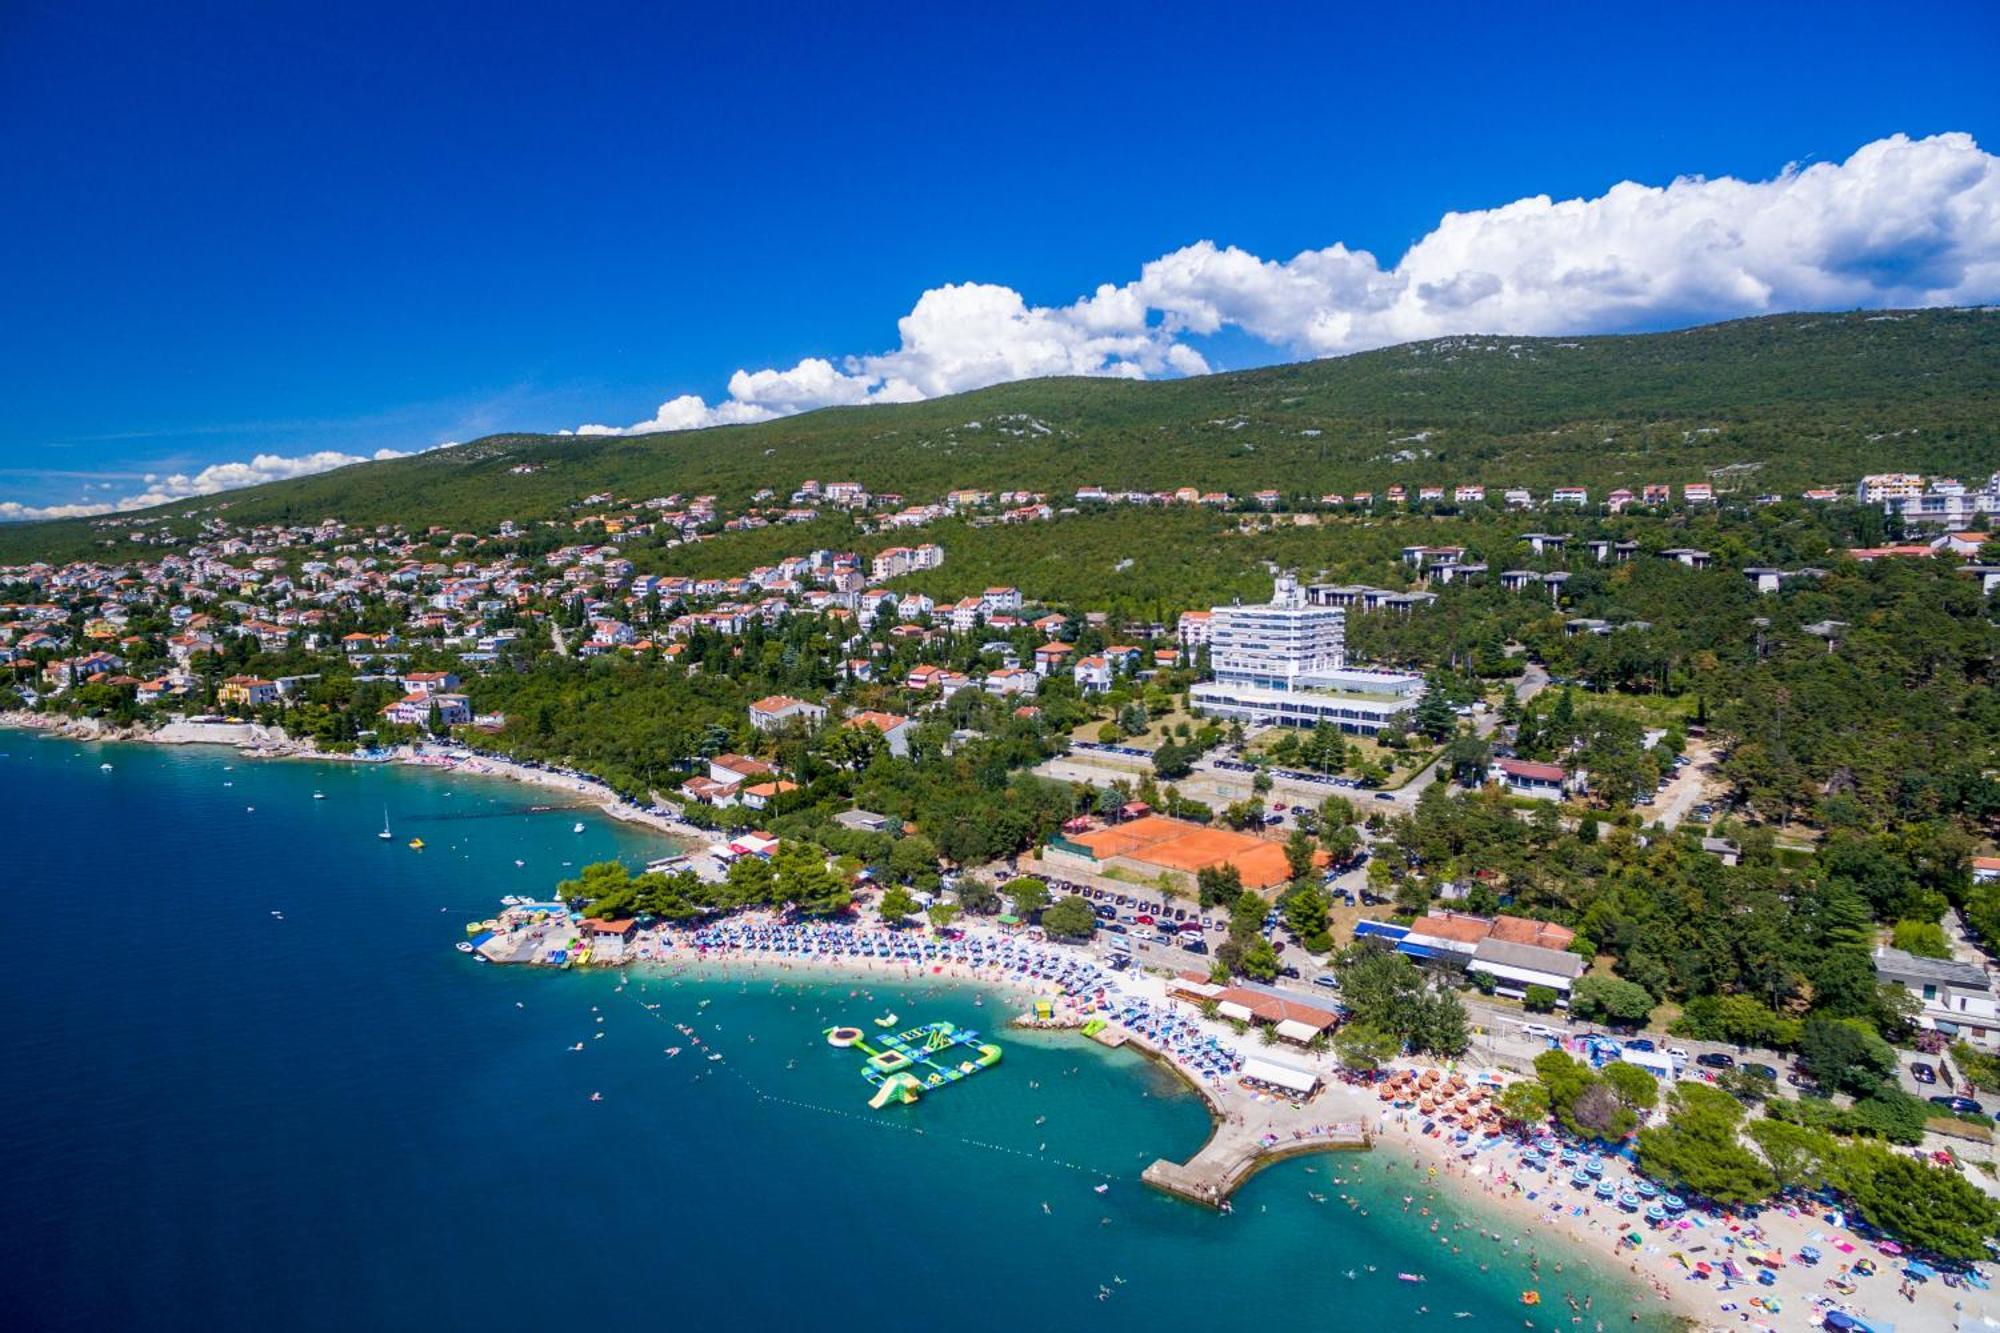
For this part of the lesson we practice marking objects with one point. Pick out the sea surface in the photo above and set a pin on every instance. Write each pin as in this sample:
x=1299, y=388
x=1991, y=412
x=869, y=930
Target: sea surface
x=218, y=1117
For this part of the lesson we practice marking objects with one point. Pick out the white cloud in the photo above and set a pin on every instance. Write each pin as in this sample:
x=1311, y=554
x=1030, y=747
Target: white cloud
x=210, y=480
x=1901, y=222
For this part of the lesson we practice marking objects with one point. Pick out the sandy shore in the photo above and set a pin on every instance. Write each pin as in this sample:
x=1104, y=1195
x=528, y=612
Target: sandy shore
x=1493, y=1184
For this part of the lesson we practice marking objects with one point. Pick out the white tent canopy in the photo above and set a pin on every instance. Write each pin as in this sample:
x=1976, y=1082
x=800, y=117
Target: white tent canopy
x=1232, y=1010
x=1280, y=1076
x=1293, y=1030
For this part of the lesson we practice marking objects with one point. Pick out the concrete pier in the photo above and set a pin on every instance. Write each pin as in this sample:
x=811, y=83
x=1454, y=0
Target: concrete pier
x=1235, y=1152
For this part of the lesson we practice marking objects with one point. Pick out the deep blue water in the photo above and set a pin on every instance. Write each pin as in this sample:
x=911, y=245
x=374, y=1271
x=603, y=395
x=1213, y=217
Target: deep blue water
x=216, y=1118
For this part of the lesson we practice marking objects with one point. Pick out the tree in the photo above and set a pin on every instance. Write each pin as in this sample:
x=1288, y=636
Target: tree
x=1259, y=960
x=941, y=915
x=1800, y=1156
x=1306, y=914
x=913, y=860
x=1597, y=1110
x=1028, y=894
x=751, y=883
x=1846, y=1055
x=1218, y=884
x=978, y=897
x=1364, y=1048
x=1635, y=1087
x=1434, y=717
x=1697, y=1149
x=1926, y=939
x=1538, y=999
x=1069, y=918
x=1441, y=1026
x=1926, y=1206
x=1611, y=1000
x=1299, y=853
x=804, y=881
x=1525, y=1104
x=897, y=904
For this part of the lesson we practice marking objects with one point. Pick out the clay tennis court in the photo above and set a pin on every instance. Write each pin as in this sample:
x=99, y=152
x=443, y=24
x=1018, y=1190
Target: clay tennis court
x=1170, y=844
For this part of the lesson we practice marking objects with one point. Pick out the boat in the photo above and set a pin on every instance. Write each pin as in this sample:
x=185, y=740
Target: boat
x=1409, y=1277
x=319, y=796
x=1102, y=1189
x=104, y=767
x=385, y=835
x=416, y=844
x=464, y=946
x=577, y=827
x=1531, y=1298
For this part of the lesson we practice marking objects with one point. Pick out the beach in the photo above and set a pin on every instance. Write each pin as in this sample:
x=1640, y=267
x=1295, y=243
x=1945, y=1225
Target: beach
x=1679, y=1263
x=1476, y=1198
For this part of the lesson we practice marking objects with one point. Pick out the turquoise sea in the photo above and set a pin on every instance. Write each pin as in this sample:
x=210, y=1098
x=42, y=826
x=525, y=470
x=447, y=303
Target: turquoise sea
x=222, y=1118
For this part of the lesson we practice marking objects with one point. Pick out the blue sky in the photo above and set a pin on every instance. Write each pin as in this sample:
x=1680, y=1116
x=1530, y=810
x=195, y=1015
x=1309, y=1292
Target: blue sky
x=232, y=231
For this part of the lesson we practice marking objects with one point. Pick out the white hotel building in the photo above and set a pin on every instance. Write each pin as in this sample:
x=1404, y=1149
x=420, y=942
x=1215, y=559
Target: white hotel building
x=1284, y=662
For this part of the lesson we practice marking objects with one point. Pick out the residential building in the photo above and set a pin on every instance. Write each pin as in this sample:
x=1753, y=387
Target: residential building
x=779, y=710
x=1547, y=782
x=1957, y=998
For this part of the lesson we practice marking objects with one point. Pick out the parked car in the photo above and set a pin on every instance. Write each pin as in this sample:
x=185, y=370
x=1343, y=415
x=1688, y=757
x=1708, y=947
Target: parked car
x=1715, y=1060
x=1922, y=1072
x=1762, y=1071
x=1195, y=946
x=1959, y=1105
x=1640, y=1044
x=1291, y=972
x=1384, y=796
x=1327, y=980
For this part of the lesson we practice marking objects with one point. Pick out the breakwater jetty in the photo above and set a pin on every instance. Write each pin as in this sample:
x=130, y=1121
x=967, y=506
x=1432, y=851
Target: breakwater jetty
x=1238, y=1150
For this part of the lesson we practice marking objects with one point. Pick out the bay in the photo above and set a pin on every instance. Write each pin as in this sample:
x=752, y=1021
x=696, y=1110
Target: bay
x=220, y=1117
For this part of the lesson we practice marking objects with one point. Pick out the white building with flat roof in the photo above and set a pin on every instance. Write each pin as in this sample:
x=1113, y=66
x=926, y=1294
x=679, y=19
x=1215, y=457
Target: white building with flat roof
x=1285, y=662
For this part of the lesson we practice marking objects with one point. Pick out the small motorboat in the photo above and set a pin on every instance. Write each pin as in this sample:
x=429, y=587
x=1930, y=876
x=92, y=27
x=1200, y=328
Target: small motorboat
x=597, y=1096
x=463, y=946
x=1409, y=1277
x=416, y=844
x=106, y=768
x=577, y=827
x=319, y=796
x=1102, y=1189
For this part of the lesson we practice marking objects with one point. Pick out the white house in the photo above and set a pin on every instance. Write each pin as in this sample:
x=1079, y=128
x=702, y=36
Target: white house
x=1093, y=674
x=1523, y=777
x=778, y=710
x=1957, y=998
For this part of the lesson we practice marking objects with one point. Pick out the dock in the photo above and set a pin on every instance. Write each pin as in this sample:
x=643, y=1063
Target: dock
x=1235, y=1152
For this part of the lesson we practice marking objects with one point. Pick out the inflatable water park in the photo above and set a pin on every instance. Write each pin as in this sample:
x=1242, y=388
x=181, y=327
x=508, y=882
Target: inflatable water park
x=902, y=1066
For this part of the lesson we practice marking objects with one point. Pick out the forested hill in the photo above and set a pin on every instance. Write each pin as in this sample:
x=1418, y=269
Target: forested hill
x=1786, y=402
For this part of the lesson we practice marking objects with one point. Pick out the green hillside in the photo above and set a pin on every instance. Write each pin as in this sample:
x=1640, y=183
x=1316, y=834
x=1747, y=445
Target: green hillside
x=1790, y=401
